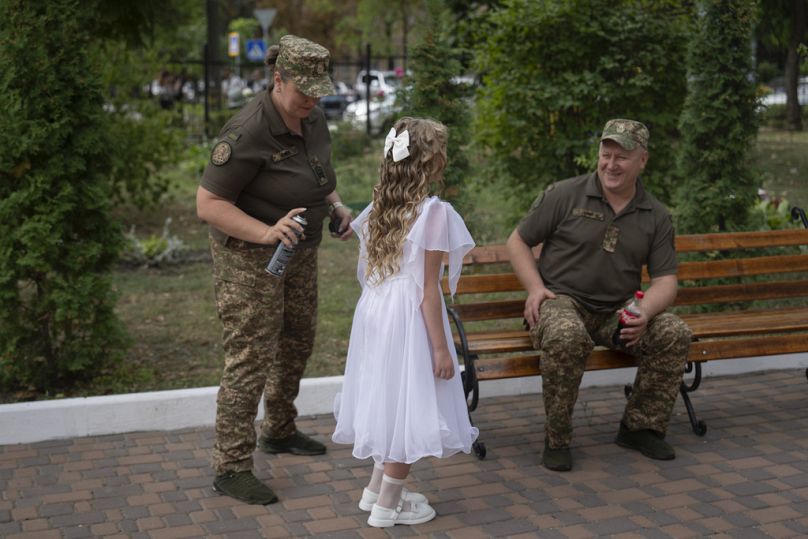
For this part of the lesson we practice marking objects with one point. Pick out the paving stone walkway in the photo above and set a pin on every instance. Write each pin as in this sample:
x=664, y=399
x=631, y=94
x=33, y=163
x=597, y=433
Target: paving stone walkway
x=747, y=478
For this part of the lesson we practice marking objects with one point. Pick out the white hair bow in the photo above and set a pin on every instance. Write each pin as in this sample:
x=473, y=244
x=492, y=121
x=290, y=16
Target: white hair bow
x=400, y=144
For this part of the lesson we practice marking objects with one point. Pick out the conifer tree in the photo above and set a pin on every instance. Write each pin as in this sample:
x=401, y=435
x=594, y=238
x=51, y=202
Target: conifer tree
x=718, y=123
x=57, y=239
x=435, y=93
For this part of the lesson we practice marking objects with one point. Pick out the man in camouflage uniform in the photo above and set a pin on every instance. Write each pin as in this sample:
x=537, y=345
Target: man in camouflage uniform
x=271, y=162
x=596, y=232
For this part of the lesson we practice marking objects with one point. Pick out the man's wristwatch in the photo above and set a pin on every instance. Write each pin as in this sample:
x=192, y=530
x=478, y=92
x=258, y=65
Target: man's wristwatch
x=333, y=207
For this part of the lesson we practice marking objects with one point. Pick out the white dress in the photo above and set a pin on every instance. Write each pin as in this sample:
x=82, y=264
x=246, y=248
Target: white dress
x=392, y=407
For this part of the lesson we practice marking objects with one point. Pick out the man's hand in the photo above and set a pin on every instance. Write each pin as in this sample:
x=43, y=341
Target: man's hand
x=633, y=329
x=533, y=304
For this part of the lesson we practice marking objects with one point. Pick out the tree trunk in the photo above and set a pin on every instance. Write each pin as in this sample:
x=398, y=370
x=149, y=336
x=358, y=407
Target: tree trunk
x=793, y=108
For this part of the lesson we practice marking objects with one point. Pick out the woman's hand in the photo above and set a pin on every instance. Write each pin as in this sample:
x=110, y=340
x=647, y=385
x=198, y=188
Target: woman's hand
x=444, y=365
x=284, y=230
x=343, y=216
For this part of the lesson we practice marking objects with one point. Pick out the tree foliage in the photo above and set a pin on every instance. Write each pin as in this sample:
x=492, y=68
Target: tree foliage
x=146, y=139
x=57, y=240
x=718, y=123
x=555, y=71
x=781, y=31
x=435, y=92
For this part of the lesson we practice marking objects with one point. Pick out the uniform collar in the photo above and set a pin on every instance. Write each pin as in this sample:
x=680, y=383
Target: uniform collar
x=640, y=200
x=276, y=124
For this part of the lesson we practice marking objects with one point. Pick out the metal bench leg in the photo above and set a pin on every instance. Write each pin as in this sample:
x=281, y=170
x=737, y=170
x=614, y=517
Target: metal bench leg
x=698, y=426
x=472, y=386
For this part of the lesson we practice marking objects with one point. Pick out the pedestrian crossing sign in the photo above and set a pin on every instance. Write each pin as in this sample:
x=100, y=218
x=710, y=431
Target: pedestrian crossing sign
x=256, y=50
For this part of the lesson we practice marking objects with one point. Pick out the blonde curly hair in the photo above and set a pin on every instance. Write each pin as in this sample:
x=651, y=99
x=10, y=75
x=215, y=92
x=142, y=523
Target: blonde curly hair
x=401, y=189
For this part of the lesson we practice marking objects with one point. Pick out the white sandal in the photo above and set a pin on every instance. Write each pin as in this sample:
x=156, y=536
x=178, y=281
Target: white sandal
x=381, y=517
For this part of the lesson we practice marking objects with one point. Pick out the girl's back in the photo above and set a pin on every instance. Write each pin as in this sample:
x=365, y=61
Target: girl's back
x=402, y=398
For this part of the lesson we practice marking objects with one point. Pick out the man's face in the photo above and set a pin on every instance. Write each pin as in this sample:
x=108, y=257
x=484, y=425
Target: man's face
x=619, y=168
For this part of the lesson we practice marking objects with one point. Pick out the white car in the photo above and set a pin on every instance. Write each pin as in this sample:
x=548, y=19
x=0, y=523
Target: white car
x=382, y=113
x=382, y=83
x=778, y=96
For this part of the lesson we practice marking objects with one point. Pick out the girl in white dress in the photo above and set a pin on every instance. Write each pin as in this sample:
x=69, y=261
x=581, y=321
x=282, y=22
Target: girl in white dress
x=402, y=397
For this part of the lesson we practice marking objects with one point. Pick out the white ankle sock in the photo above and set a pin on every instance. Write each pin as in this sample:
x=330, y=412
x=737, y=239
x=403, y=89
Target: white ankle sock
x=390, y=492
x=376, y=478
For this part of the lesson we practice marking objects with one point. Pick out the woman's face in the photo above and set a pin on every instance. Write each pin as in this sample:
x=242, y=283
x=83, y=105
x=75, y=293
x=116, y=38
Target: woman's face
x=294, y=103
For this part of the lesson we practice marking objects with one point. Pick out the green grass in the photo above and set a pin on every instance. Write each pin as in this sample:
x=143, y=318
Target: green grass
x=170, y=312
x=782, y=156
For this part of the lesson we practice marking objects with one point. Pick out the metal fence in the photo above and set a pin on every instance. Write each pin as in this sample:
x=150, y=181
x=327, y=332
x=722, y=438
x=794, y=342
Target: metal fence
x=181, y=86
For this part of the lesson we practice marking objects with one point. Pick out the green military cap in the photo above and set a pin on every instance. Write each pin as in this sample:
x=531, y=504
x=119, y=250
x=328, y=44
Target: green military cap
x=306, y=63
x=627, y=133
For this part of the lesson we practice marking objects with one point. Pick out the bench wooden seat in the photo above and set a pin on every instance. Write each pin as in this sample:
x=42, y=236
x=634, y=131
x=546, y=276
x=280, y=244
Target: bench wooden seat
x=743, y=294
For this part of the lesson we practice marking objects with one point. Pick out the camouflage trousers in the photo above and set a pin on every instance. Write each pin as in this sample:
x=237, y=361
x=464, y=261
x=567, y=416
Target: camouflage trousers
x=269, y=324
x=567, y=333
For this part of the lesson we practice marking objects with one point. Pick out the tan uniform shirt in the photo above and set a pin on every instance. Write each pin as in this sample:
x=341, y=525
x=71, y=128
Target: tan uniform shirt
x=592, y=254
x=267, y=170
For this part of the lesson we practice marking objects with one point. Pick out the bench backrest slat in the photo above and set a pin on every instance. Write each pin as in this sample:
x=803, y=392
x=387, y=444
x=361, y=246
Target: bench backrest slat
x=686, y=243
x=741, y=240
x=762, y=265
x=490, y=283
x=741, y=293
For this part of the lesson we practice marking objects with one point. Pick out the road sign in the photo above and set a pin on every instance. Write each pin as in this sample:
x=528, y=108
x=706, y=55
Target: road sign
x=256, y=50
x=233, y=48
x=265, y=17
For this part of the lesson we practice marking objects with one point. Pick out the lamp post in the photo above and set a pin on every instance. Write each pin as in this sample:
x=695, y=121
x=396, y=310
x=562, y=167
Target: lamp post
x=265, y=18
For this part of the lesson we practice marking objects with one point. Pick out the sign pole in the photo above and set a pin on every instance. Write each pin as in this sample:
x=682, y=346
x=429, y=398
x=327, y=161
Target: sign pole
x=265, y=18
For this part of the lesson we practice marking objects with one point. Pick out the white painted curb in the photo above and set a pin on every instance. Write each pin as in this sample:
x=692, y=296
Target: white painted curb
x=168, y=410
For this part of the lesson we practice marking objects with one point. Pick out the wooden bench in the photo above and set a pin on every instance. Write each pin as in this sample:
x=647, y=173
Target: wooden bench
x=743, y=294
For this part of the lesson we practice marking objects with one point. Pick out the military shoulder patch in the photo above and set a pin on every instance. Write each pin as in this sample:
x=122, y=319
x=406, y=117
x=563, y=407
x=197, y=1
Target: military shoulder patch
x=221, y=153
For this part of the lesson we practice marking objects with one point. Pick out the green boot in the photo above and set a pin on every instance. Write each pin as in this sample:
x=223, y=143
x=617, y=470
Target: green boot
x=244, y=486
x=297, y=444
x=648, y=442
x=558, y=460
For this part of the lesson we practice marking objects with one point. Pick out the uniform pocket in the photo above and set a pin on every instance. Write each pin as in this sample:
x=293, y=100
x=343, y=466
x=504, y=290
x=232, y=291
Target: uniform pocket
x=235, y=275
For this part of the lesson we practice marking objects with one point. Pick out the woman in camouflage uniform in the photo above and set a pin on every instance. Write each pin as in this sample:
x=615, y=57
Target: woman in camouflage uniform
x=272, y=161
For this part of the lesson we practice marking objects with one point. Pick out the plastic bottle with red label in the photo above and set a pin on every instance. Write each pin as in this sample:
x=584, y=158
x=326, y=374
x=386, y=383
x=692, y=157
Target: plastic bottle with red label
x=632, y=310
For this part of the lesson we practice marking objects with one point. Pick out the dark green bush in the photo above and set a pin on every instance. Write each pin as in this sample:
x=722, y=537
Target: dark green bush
x=555, y=71
x=347, y=142
x=57, y=240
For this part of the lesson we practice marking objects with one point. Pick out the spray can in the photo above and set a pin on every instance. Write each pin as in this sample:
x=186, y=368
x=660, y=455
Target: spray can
x=282, y=255
x=632, y=310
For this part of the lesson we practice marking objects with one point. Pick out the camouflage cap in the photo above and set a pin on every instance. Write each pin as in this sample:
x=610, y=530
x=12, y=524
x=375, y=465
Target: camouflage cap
x=627, y=133
x=306, y=63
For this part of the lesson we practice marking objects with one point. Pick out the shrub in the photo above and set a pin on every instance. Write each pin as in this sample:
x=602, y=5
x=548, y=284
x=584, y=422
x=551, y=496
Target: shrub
x=154, y=250
x=555, y=71
x=57, y=240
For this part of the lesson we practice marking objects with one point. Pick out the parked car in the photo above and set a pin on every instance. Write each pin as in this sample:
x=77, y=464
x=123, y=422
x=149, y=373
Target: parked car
x=778, y=95
x=382, y=113
x=382, y=83
x=334, y=105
